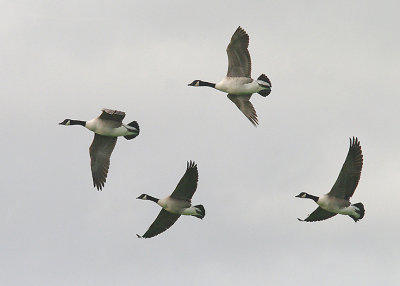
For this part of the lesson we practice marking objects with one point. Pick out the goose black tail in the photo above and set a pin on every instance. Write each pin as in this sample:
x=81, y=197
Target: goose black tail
x=202, y=211
x=133, y=124
x=264, y=81
x=360, y=211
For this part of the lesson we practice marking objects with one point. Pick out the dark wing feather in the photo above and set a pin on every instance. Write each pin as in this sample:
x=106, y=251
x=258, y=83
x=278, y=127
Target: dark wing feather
x=188, y=184
x=100, y=152
x=245, y=106
x=349, y=176
x=319, y=214
x=163, y=222
x=239, y=62
x=109, y=114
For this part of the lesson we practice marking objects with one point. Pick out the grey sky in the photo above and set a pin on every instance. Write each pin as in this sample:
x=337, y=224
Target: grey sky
x=334, y=69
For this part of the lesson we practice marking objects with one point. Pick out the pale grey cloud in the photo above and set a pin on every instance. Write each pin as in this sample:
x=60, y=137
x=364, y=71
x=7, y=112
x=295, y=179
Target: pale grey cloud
x=333, y=68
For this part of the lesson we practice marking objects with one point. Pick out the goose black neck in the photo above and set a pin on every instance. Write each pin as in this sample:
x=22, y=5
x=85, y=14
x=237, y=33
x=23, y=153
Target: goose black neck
x=77, y=122
x=152, y=198
x=314, y=198
x=205, y=83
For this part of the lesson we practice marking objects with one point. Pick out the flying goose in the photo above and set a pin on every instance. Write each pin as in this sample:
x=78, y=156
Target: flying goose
x=107, y=127
x=238, y=82
x=177, y=204
x=337, y=200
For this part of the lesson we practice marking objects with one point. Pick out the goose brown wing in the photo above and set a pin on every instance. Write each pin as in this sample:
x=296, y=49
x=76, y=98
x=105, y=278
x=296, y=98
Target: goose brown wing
x=319, y=214
x=349, y=176
x=239, y=62
x=109, y=114
x=100, y=152
x=245, y=106
x=163, y=222
x=188, y=184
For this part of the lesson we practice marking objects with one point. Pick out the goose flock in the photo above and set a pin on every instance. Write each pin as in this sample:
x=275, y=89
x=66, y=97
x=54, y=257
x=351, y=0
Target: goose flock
x=239, y=87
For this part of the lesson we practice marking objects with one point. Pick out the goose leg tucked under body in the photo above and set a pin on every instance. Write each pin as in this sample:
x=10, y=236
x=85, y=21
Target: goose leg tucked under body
x=107, y=127
x=177, y=204
x=238, y=82
x=337, y=201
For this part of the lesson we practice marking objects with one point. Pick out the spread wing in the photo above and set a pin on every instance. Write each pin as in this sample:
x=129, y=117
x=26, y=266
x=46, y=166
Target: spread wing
x=100, y=152
x=188, y=184
x=239, y=62
x=109, y=114
x=349, y=176
x=245, y=106
x=163, y=222
x=319, y=214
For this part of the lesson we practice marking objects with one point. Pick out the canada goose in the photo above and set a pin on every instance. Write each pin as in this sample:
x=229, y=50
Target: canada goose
x=107, y=127
x=177, y=204
x=337, y=200
x=238, y=82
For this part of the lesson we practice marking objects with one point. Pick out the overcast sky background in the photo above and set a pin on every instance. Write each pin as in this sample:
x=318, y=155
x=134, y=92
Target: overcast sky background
x=334, y=69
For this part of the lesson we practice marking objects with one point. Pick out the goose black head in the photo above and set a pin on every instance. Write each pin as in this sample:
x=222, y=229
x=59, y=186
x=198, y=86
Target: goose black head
x=302, y=195
x=147, y=197
x=65, y=122
x=142, y=197
x=195, y=83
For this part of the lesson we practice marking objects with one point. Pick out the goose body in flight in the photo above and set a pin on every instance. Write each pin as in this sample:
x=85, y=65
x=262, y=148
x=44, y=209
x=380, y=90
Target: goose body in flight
x=107, y=127
x=177, y=204
x=238, y=82
x=337, y=201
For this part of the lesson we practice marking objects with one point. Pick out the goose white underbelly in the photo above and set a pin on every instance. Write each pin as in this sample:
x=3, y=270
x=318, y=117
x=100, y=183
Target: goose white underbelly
x=238, y=85
x=176, y=206
x=189, y=211
x=336, y=205
x=101, y=128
